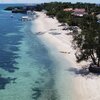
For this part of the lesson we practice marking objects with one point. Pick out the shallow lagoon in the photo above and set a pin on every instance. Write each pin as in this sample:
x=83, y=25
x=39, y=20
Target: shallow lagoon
x=28, y=71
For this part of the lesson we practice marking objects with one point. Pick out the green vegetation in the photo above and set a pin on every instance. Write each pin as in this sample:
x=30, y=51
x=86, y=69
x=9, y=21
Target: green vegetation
x=86, y=42
x=56, y=9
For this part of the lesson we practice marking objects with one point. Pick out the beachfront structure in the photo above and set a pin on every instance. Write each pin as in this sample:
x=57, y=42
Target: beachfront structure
x=79, y=12
x=68, y=9
x=76, y=11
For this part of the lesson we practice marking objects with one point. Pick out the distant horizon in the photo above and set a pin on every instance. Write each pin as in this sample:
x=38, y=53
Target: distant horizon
x=46, y=1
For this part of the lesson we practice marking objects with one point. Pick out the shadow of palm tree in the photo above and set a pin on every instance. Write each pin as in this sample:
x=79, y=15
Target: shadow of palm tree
x=83, y=71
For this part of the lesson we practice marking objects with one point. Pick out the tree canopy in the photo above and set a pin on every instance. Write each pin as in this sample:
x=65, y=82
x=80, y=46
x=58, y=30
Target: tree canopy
x=86, y=42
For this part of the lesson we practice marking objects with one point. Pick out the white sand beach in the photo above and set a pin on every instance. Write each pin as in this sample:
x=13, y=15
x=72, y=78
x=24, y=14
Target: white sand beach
x=85, y=87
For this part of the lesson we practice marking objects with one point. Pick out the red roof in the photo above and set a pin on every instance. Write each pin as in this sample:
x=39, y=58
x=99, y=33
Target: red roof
x=79, y=10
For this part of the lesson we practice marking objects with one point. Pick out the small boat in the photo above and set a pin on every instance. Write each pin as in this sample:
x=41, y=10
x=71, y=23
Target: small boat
x=98, y=21
x=11, y=16
x=26, y=18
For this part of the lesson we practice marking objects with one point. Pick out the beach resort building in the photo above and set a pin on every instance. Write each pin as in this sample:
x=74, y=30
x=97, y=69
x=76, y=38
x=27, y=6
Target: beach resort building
x=76, y=12
x=68, y=9
x=79, y=12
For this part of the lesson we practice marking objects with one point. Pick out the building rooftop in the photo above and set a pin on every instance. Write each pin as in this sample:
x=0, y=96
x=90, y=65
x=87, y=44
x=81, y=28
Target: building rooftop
x=79, y=10
x=68, y=9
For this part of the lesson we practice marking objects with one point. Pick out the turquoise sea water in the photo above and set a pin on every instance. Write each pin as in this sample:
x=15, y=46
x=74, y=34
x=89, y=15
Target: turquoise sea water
x=27, y=70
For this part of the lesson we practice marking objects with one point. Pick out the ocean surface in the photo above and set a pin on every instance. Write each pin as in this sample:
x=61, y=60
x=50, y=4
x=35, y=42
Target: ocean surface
x=27, y=70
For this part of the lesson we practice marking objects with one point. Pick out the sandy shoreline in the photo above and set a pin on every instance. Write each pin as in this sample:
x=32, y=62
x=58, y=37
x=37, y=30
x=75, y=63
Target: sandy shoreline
x=84, y=88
